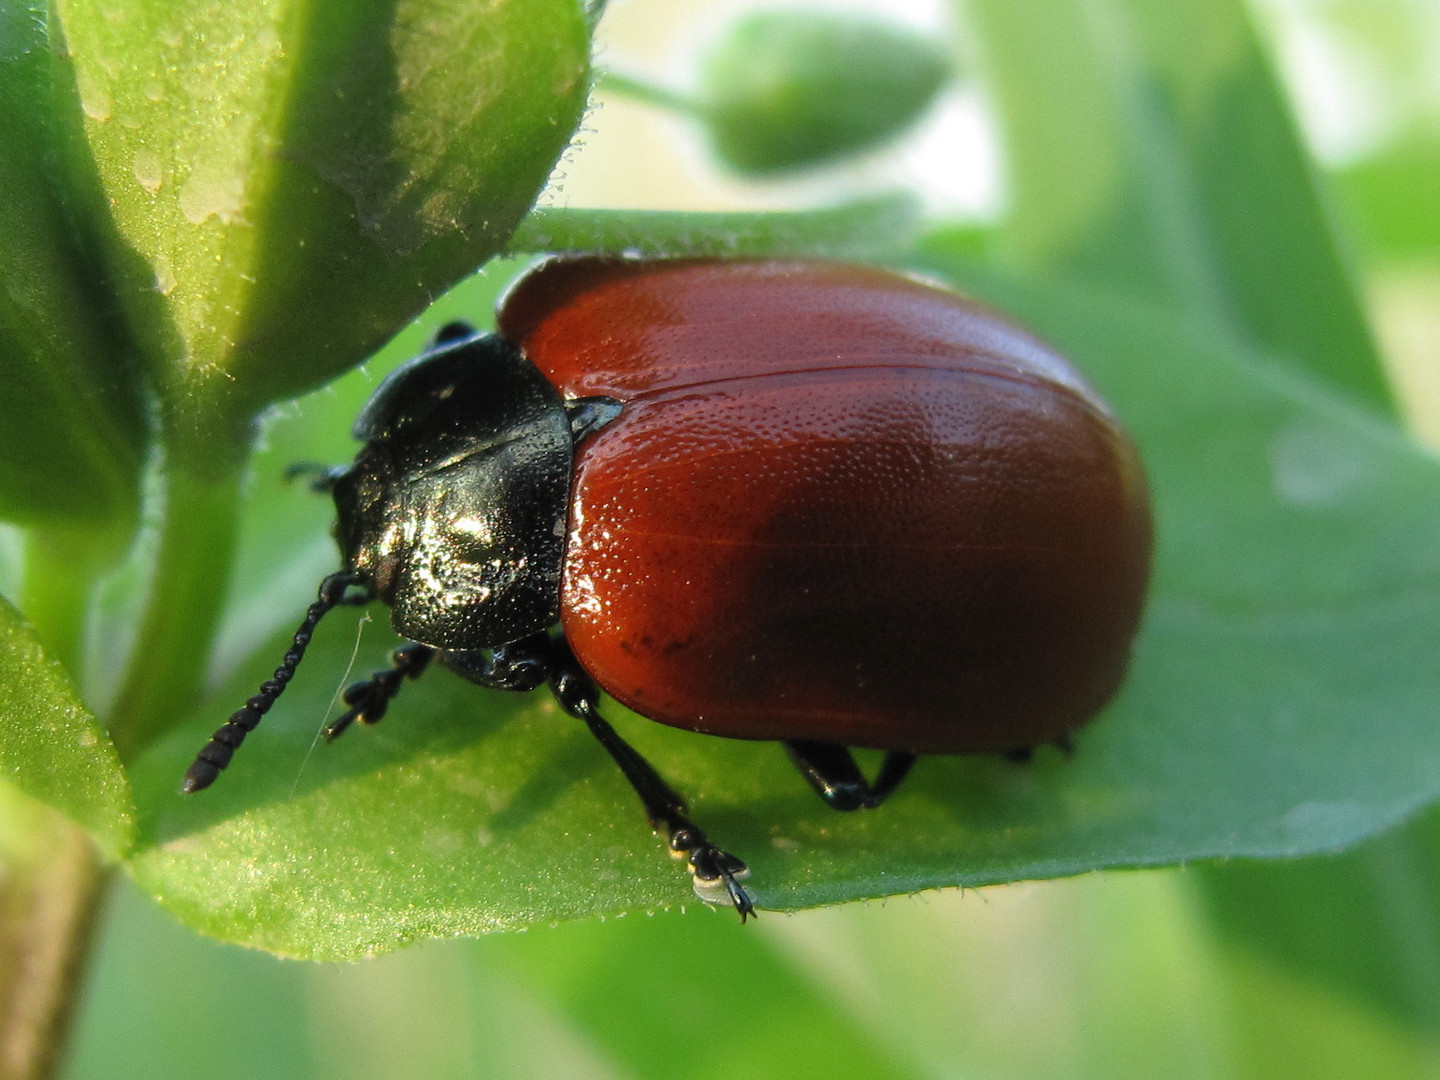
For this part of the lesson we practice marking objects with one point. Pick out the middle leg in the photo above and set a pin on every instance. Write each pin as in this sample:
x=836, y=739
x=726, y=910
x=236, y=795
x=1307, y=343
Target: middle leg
x=832, y=772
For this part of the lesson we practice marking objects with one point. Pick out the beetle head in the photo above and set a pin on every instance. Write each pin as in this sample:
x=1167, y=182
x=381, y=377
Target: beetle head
x=454, y=510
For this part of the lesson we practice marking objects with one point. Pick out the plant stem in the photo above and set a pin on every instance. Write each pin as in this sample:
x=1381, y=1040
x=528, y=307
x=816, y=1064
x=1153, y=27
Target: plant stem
x=187, y=593
x=51, y=881
x=872, y=228
x=648, y=92
x=61, y=569
x=51, y=875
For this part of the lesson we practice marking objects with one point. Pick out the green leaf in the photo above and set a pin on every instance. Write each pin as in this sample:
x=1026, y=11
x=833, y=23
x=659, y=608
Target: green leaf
x=1393, y=200
x=786, y=90
x=70, y=403
x=300, y=178
x=1363, y=923
x=1176, y=147
x=1150, y=149
x=1118, y=971
x=543, y=1004
x=1280, y=703
x=771, y=1015
x=51, y=748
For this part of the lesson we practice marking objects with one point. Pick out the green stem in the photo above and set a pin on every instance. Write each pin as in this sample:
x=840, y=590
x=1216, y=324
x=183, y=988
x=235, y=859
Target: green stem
x=648, y=92
x=874, y=227
x=187, y=592
x=51, y=881
x=61, y=568
x=51, y=875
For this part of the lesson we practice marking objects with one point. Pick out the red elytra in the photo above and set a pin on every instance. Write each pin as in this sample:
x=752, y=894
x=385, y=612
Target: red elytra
x=838, y=505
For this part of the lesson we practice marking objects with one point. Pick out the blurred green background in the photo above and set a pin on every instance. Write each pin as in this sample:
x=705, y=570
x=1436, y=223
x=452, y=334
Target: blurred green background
x=1327, y=967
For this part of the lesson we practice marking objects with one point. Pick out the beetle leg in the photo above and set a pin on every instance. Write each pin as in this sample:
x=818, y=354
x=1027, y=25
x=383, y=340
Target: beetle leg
x=520, y=666
x=832, y=772
x=711, y=866
x=589, y=414
x=369, y=699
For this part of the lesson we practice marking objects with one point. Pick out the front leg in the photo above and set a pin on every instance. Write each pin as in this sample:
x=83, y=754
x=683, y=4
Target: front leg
x=541, y=658
x=370, y=698
x=510, y=667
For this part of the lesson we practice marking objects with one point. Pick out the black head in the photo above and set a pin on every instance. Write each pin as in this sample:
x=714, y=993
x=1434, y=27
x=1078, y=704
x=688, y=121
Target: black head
x=453, y=512
x=455, y=509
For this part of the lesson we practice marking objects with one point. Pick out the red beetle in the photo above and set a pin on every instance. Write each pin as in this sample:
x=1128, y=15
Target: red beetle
x=801, y=501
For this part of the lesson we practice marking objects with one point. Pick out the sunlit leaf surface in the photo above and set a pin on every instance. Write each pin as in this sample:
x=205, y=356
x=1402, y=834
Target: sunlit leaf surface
x=1274, y=708
x=51, y=748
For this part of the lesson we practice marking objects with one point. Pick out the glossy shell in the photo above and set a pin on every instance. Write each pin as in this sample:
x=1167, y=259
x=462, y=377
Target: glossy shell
x=838, y=505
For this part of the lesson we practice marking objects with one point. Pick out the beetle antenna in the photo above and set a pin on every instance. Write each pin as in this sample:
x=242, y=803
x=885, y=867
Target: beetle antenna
x=322, y=477
x=217, y=753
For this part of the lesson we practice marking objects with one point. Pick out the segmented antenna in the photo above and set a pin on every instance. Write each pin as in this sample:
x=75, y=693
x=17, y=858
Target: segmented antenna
x=222, y=745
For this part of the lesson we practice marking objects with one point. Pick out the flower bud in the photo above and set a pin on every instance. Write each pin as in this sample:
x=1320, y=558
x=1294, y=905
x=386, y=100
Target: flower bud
x=788, y=90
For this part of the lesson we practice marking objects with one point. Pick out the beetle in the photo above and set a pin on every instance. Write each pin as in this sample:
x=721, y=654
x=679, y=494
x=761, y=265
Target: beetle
x=801, y=501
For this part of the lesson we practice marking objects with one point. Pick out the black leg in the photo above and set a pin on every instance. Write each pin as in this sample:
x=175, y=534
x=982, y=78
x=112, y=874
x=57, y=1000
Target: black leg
x=577, y=695
x=836, y=778
x=525, y=665
x=520, y=666
x=369, y=699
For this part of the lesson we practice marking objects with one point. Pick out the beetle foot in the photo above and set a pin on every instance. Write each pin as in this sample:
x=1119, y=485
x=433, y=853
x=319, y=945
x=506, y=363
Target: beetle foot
x=360, y=697
x=370, y=698
x=1022, y=755
x=717, y=874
